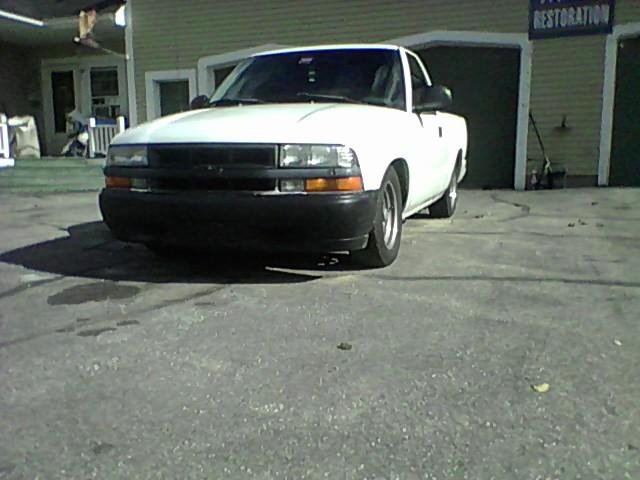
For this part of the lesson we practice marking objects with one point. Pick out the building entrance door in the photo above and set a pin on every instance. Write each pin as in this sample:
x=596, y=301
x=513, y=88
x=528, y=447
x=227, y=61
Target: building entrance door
x=61, y=87
x=625, y=145
x=485, y=84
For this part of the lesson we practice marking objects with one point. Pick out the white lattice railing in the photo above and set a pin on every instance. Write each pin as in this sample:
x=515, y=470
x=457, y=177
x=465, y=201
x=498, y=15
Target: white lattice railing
x=5, y=148
x=101, y=135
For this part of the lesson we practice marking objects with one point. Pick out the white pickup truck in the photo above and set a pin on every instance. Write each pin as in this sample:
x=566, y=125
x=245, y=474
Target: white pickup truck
x=325, y=148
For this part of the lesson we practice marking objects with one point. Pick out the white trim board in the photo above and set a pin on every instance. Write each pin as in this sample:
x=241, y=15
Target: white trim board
x=130, y=65
x=84, y=60
x=5, y=148
x=152, y=82
x=609, y=96
x=500, y=40
x=225, y=59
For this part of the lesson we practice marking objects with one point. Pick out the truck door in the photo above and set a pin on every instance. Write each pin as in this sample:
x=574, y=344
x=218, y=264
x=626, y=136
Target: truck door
x=429, y=159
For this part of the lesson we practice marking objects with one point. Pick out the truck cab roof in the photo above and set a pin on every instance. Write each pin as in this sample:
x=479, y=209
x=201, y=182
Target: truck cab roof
x=346, y=46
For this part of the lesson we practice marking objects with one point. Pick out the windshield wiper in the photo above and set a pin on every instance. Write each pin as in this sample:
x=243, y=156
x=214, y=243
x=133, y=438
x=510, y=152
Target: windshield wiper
x=334, y=98
x=236, y=101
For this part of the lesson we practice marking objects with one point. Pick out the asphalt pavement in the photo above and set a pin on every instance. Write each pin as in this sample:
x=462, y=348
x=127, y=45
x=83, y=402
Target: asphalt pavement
x=502, y=344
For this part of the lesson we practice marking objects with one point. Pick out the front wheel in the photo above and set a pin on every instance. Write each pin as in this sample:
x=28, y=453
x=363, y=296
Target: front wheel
x=384, y=240
x=446, y=206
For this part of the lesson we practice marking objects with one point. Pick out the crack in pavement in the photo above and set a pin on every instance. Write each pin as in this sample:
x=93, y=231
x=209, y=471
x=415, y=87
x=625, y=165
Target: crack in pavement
x=524, y=209
x=599, y=218
x=480, y=278
x=519, y=232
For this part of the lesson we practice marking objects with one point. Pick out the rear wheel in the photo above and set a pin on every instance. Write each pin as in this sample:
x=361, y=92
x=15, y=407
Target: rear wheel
x=446, y=206
x=384, y=240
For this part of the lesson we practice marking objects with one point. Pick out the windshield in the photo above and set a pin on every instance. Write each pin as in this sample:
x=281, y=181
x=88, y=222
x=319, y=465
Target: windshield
x=370, y=76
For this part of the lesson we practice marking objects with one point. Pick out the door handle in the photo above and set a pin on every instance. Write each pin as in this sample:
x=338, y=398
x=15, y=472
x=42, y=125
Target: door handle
x=440, y=131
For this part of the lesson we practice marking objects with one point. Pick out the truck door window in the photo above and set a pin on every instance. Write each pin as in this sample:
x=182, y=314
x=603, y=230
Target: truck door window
x=419, y=83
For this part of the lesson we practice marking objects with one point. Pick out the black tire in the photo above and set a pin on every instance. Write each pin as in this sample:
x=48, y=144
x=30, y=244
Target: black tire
x=384, y=240
x=446, y=206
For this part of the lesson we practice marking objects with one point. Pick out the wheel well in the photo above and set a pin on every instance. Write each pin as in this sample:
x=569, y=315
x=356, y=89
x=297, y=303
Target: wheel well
x=458, y=165
x=402, y=169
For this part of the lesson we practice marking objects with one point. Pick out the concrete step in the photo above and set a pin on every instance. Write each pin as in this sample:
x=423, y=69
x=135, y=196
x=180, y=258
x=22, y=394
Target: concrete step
x=67, y=188
x=48, y=175
x=49, y=162
x=54, y=172
x=96, y=179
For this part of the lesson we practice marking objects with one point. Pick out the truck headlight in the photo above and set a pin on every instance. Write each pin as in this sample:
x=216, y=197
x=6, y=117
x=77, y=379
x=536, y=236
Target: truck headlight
x=321, y=156
x=127, y=156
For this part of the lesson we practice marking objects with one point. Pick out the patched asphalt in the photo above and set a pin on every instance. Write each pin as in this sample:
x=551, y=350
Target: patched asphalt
x=502, y=344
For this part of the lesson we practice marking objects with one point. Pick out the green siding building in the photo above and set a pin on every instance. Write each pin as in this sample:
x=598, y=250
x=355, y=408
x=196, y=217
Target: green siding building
x=572, y=84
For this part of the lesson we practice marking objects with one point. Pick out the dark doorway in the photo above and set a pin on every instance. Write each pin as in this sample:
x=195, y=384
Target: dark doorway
x=485, y=85
x=625, y=147
x=62, y=86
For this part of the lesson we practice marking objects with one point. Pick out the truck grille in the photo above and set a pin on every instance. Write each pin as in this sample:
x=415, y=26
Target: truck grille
x=211, y=184
x=196, y=160
x=186, y=156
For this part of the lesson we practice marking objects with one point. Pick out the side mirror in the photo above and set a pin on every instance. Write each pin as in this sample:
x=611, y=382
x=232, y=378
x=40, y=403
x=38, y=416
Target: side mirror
x=436, y=97
x=201, y=101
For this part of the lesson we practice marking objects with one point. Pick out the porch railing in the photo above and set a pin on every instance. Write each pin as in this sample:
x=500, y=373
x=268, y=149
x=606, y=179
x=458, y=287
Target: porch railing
x=100, y=135
x=5, y=150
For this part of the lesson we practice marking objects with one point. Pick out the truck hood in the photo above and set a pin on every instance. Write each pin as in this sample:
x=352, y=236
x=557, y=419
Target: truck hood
x=269, y=123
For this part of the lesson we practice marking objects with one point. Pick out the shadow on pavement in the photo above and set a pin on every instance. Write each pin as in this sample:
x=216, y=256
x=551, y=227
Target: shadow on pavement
x=90, y=251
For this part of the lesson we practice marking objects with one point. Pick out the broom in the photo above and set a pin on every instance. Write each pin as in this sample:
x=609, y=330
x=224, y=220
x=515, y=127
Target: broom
x=546, y=163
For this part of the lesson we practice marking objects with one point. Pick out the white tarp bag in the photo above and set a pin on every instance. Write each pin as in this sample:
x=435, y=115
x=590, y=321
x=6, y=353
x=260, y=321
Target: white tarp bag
x=25, y=135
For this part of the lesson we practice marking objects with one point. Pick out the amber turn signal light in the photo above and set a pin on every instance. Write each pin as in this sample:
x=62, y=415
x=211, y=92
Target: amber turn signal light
x=117, y=182
x=348, y=184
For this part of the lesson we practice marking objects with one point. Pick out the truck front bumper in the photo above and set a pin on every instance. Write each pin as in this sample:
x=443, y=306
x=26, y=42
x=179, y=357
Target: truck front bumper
x=294, y=222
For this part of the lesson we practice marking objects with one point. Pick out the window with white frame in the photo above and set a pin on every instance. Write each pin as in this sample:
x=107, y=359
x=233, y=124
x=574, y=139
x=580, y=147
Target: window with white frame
x=169, y=91
x=105, y=94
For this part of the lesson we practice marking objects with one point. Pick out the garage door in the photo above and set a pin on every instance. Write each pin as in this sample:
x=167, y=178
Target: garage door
x=485, y=84
x=625, y=156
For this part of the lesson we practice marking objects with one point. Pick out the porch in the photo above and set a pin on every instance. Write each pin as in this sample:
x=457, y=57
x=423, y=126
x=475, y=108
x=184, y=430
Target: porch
x=45, y=75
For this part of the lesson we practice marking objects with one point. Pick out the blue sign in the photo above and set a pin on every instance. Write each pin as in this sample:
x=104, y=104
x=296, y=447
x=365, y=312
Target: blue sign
x=559, y=18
